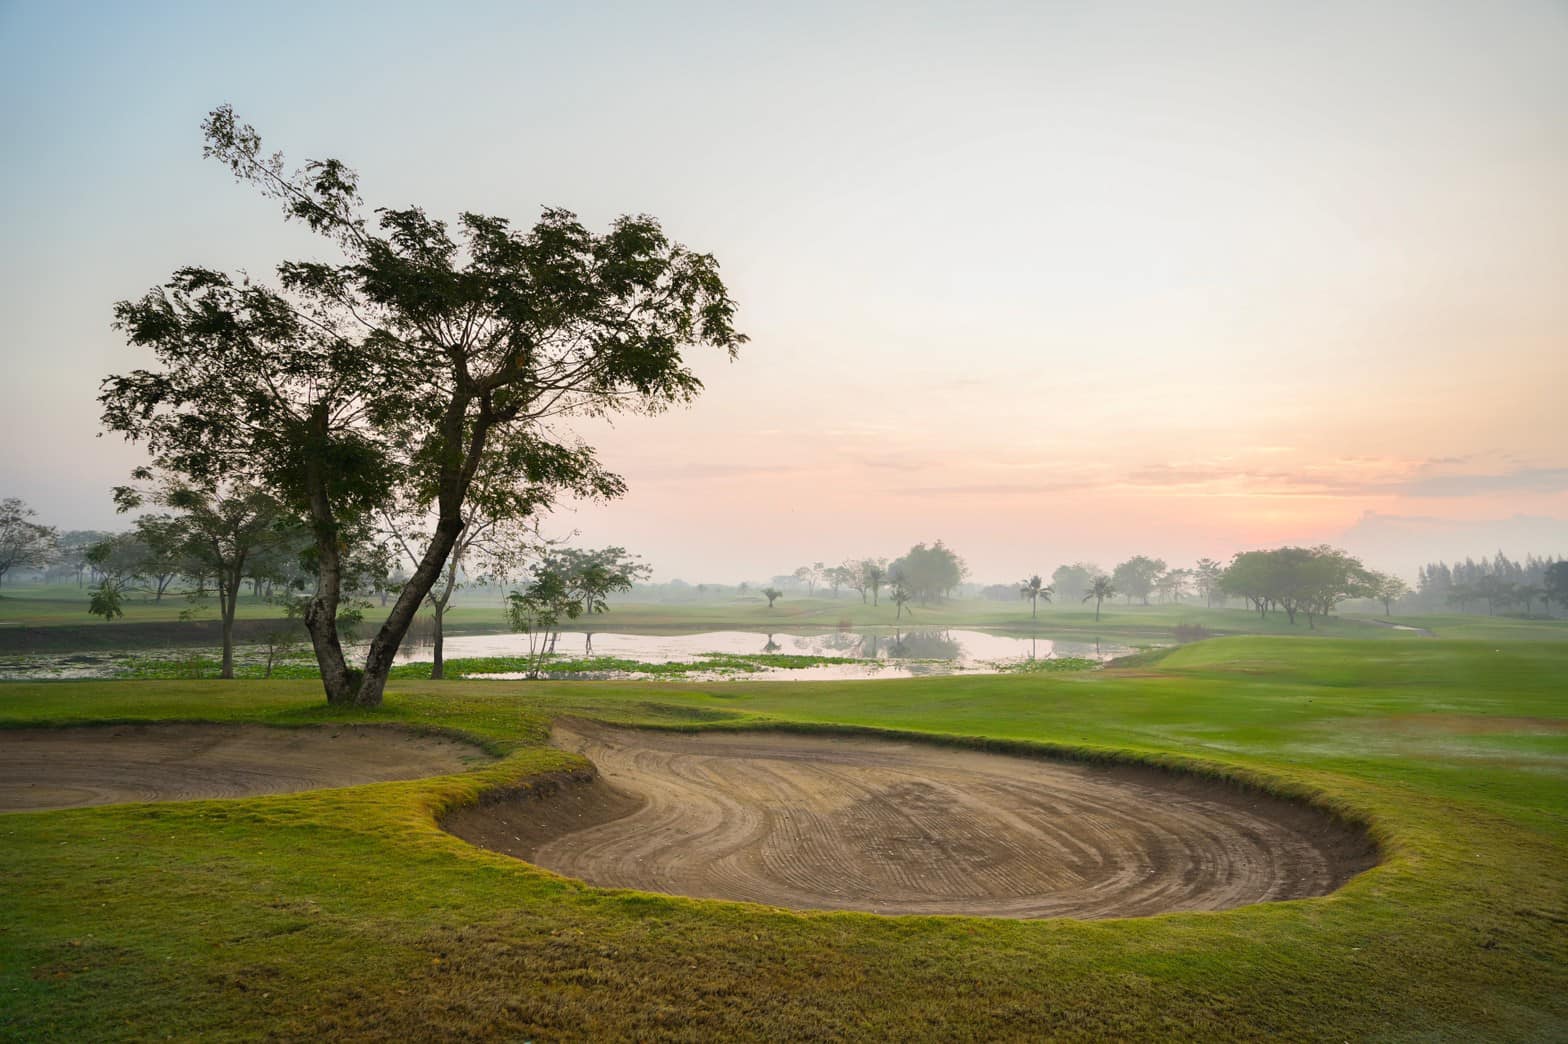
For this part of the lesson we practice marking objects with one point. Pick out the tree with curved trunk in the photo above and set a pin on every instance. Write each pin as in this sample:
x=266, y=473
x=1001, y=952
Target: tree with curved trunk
x=1035, y=589
x=1100, y=589
x=393, y=372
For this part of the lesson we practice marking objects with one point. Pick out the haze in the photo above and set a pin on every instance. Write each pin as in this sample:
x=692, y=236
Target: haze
x=1075, y=282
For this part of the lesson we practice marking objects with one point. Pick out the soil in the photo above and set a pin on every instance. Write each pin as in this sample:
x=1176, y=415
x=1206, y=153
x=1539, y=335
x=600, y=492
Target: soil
x=814, y=822
x=44, y=768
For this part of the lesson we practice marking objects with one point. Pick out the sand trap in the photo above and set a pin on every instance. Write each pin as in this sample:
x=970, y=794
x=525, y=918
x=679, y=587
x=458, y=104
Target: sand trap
x=831, y=823
x=109, y=764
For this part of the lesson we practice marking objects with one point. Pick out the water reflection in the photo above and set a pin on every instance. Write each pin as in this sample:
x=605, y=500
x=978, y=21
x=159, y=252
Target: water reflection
x=957, y=648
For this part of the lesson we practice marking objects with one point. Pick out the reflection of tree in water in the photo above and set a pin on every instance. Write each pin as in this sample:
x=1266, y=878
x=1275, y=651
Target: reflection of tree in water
x=771, y=647
x=925, y=645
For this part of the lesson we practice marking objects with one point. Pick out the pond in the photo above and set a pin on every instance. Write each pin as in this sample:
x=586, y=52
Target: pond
x=878, y=653
x=882, y=652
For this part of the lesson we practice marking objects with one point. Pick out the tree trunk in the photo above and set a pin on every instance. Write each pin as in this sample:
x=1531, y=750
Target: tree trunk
x=438, y=660
x=383, y=647
x=321, y=612
x=228, y=595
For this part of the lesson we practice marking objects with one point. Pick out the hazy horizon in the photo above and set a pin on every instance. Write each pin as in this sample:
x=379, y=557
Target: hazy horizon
x=1067, y=284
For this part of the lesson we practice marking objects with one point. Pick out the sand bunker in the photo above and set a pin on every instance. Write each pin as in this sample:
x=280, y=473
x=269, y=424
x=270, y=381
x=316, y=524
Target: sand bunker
x=833, y=823
x=108, y=764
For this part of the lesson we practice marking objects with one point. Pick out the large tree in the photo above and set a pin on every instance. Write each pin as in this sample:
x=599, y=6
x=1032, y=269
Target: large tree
x=1136, y=577
x=394, y=370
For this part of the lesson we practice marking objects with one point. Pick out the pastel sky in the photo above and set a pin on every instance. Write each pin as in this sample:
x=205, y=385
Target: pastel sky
x=1047, y=281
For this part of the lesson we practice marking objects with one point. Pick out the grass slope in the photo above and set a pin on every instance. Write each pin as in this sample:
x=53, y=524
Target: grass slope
x=347, y=913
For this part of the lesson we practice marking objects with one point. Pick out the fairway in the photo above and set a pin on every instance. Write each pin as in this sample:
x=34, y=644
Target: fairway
x=351, y=913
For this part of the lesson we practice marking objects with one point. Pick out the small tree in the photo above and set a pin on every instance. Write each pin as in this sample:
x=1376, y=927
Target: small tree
x=1035, y=589
x=539, y=610
x=873, y=573
x=225, y=525
x=1100, y=588
x=106, y=600
x=1388, y=589
x=1207, y=575
x=772, y=594
x=901, y=596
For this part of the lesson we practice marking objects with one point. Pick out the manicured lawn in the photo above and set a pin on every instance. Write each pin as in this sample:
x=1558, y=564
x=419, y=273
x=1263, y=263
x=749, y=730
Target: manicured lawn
x=348, y=913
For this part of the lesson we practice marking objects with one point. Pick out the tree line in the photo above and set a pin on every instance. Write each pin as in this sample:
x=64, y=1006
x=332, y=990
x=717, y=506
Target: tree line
x=1496, y=583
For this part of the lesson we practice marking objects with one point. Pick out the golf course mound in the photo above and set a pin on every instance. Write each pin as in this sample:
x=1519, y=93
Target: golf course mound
x=818, y=822
x=43, y=768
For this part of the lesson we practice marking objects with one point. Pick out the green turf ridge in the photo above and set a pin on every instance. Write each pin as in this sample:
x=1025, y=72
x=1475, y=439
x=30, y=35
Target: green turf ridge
x=349, y=914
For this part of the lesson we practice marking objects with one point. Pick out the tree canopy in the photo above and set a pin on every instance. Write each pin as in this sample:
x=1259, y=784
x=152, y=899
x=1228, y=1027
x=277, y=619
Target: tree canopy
x=393, y=372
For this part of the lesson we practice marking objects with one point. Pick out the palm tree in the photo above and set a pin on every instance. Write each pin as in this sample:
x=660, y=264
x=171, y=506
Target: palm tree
x=900, y=596
x=1100, y=591
x=1035, y=589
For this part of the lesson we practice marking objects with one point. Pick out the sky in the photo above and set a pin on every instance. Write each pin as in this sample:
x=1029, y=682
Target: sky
x=1050, y=282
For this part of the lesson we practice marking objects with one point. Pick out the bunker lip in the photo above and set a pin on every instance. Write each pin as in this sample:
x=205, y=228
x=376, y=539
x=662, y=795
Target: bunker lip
x=896, y=826
x=81, y=765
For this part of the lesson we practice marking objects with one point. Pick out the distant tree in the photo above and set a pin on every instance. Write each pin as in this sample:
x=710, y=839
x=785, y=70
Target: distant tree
x=873, y=573
x=1136, y=577
x=1527, y=594
x=1206, y=576
x=809, y=577
x=540, y=609
x=841, y=576
x=772, y=594
x=1071, y=581
x=1494, y=591
x=1035, y=589
x=1555, y=584
x=395, y=367
x=24, y=544
x=901, y=596
x=1174, y=584
x=1460, y=595
x=929, y=573
x=1388, y=589
x=163, y=545
x=1100, y=588
x=225, y=525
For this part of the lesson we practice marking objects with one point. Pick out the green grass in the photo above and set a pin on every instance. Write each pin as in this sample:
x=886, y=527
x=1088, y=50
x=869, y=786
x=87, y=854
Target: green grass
x=348, y=913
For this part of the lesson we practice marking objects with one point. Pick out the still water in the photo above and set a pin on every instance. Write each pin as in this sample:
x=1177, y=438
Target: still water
x=882, y=653
x=885, y=653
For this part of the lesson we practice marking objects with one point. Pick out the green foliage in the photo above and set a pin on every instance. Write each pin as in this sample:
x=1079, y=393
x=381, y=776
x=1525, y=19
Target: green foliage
x=424, y=354
x=1057, y=665
x=927, y=574
x=106, y=601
